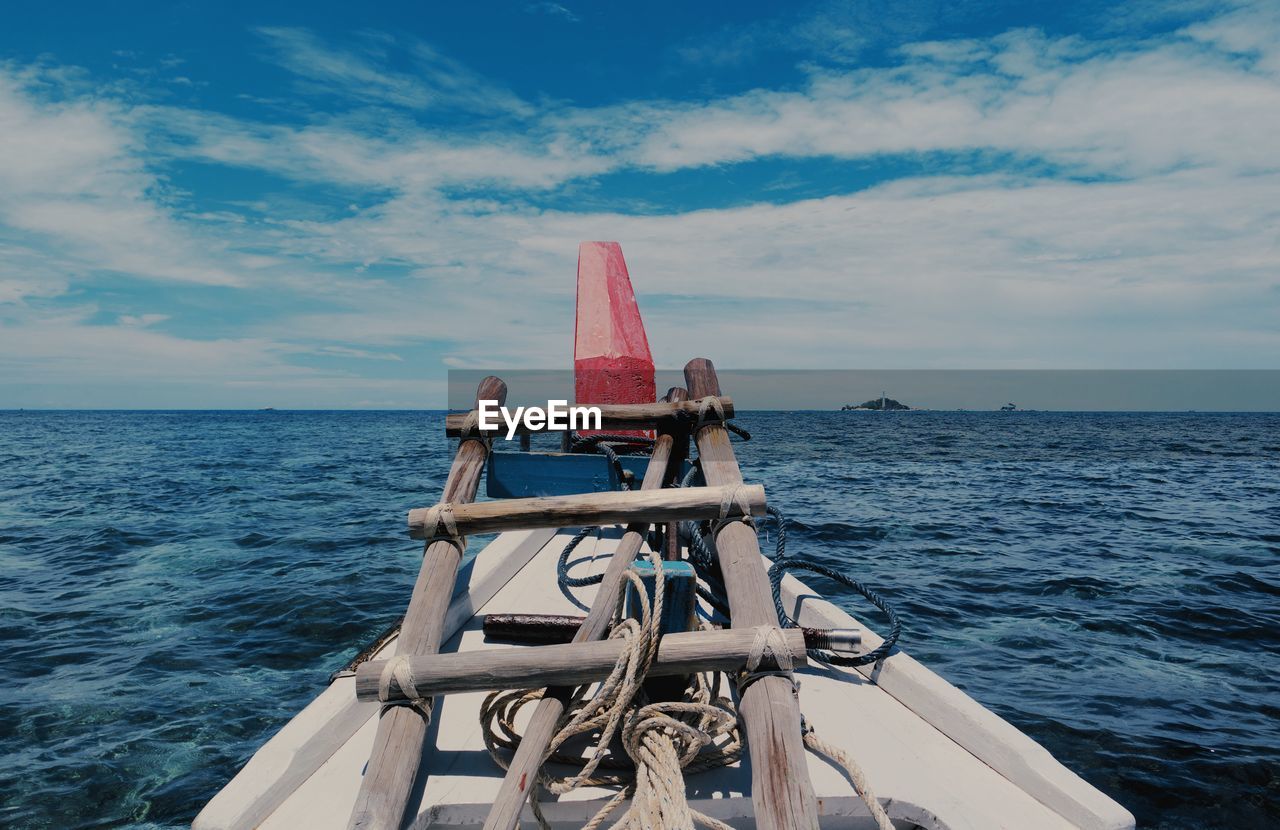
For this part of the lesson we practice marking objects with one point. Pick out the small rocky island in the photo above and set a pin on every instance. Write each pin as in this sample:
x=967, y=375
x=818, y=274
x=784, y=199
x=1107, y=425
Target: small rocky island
x=880, y=404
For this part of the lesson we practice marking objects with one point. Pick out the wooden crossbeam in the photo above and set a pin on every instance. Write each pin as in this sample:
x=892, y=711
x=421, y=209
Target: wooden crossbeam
x=568, y=664
x=629, y=416
x=587, y=509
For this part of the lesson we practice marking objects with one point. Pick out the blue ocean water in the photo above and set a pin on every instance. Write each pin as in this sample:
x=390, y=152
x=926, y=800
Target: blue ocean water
x=175, y=585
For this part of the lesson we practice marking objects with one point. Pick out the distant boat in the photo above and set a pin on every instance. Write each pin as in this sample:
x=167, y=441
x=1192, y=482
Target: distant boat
x=1009, y=407
x=267, y=409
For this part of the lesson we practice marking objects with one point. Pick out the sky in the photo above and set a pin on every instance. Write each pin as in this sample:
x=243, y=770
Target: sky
x=227, y=204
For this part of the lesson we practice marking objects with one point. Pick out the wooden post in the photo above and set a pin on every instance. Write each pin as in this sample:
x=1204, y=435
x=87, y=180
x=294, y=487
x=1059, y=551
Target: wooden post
x=781, y=792
x=587, y=509
x=397, y=748
x=679, y=433
x=567, y=664
x=523, y=771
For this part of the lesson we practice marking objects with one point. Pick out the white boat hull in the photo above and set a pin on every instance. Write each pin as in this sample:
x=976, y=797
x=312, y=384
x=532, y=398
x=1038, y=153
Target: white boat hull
x=933, y=755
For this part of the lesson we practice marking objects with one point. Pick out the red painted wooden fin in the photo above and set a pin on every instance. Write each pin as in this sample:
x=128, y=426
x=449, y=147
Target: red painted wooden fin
x=611, y=360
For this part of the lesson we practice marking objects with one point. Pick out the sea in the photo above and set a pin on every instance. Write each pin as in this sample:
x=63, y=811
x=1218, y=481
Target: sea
x=174, y=586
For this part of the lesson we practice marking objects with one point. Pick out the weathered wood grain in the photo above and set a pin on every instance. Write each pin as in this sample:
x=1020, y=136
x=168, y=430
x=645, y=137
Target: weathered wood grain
x=607, y=508
x=397, y=748
x=679, y=432
x=781, y=792
x=567, y=664
x=523, y=769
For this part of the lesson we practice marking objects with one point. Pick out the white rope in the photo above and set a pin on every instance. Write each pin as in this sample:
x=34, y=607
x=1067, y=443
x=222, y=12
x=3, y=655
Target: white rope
x=735, y=497
x=664, y=740
x=856, y=776
x=769, y=644
x=470, y=430
x=400, y=670
x=470, y=424
x=709, y=402
x=738, y=496
x=437, y=515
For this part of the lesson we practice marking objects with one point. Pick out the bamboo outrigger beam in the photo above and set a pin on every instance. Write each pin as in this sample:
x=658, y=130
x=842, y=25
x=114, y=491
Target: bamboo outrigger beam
x=567, y=664
x=397, y=748
x=612, y=416
x=781, y=793
x=522, y=773
x=588, y=509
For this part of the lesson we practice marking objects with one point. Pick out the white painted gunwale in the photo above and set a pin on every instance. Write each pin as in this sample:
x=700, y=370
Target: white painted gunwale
x=935, y=756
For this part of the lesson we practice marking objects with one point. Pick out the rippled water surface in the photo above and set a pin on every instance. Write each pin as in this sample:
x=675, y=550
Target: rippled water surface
x=174, y=586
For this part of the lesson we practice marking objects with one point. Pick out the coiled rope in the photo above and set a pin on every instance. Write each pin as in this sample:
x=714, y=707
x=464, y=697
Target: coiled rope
x=782, y=563
x=664, y=740
x=658, y=784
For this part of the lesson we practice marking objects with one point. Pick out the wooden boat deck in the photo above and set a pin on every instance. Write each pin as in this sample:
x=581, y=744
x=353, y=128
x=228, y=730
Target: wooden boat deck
x=308, y=775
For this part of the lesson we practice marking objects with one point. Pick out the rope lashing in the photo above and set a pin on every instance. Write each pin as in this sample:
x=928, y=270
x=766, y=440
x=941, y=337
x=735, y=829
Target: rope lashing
x=737, y=496
x=400, y=670
x=713, y=403
x=441, y=515
x=769, y=645
x=701, y=420
x=470, y=431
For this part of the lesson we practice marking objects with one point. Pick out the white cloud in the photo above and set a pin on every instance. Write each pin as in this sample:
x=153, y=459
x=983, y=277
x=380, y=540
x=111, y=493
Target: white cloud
x=1119, y=110
x=553, y=10
x=1159, y=250
x=437, y=80
x=410, y=159
x=141, y=320
x=359, y=354
x=72, y=174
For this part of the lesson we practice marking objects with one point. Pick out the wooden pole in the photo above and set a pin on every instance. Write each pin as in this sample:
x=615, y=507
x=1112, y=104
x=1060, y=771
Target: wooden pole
x=523, y=770
x=622, y=416
x=679, y=432
x=397, y=748
x=587, y=509
x=781, y=792
x=567, y=664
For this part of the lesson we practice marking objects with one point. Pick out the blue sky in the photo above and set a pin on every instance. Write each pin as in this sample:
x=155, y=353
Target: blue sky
x=314, y=205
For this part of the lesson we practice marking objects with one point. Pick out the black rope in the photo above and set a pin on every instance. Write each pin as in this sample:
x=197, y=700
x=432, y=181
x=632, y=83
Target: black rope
x=782, y=564
x=706, y=564
x=603, y=444
x=562, y=567
x=591, y=443
x=703, y=559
